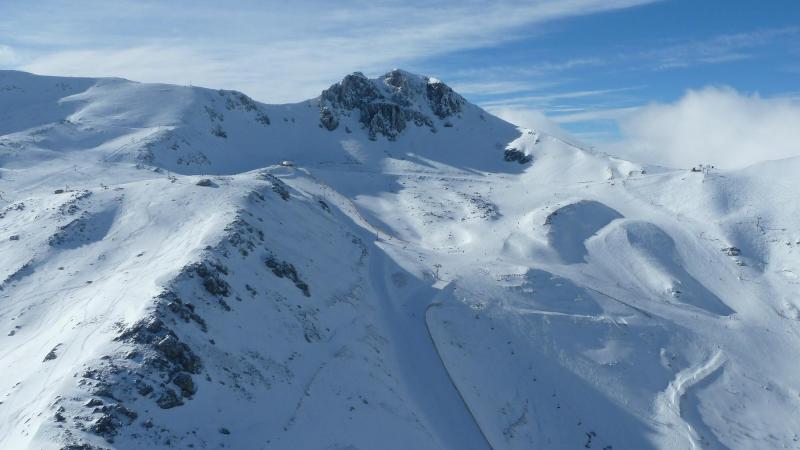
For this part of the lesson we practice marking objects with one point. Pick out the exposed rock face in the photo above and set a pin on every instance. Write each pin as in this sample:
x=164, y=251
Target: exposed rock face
x=328, y=119
x=206, y=182
x=284, y=269
x=51, y=355
x=184, y=381
x=352, y=92
x=387, y=104
x=278, y=186
x=235, y=100
x=169, y=399
x=444, y=101
x=384, y=118
x=513, y=154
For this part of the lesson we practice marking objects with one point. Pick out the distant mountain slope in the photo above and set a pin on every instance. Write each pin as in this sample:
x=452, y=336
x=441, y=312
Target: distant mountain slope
x=419, y=274
x=193, y=130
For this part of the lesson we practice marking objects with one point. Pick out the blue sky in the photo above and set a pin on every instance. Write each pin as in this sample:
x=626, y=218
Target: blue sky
x=585, y=71
x=581, y=68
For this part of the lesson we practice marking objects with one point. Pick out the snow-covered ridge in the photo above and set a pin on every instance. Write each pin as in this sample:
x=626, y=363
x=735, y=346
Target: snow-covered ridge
x=197, y=130
x=188, y=268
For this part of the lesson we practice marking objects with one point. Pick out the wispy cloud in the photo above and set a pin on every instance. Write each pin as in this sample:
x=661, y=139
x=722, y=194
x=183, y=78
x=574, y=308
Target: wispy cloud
x=718, y=49
x=583, y=111
x=534, y=69
x=549, y=98
x=497, y=87
x=595, y=115
x=274, y=51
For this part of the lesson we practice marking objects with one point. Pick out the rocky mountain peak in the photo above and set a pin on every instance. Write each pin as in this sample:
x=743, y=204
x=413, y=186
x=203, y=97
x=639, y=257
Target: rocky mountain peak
x=387, y=104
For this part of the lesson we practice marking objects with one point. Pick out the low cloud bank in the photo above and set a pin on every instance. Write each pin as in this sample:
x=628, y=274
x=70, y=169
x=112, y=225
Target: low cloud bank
x=718, y=126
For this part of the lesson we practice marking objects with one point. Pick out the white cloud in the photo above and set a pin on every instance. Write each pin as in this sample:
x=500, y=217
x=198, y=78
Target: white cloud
x=154, y=63
x=7, y=56
x=272, y=51
x=594, y=115
x=717, y=126
x=547, y=99
x=493, y=87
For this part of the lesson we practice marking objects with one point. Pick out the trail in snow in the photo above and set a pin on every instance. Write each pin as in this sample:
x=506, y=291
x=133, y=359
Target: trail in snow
x=670, y=410
x=449, y=375
x=424, y=373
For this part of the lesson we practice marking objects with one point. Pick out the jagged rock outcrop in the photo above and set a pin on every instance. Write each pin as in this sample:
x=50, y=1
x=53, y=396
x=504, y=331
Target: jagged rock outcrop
x=443, y=100
x=513, y=154
x=328, y=119
x=386, y=105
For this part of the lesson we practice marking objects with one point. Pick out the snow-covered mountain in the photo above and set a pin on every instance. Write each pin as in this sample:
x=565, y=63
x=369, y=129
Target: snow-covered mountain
x=419, y=274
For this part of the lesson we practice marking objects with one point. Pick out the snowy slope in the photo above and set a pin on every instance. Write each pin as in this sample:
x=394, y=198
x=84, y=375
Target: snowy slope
x=425, y=275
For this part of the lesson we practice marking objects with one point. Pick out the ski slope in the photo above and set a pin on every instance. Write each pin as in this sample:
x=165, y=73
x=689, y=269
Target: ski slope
x=419, y=274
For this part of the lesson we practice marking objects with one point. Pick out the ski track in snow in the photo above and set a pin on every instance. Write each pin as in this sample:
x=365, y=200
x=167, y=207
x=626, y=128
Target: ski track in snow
x=426, y=376
x=670, y=408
